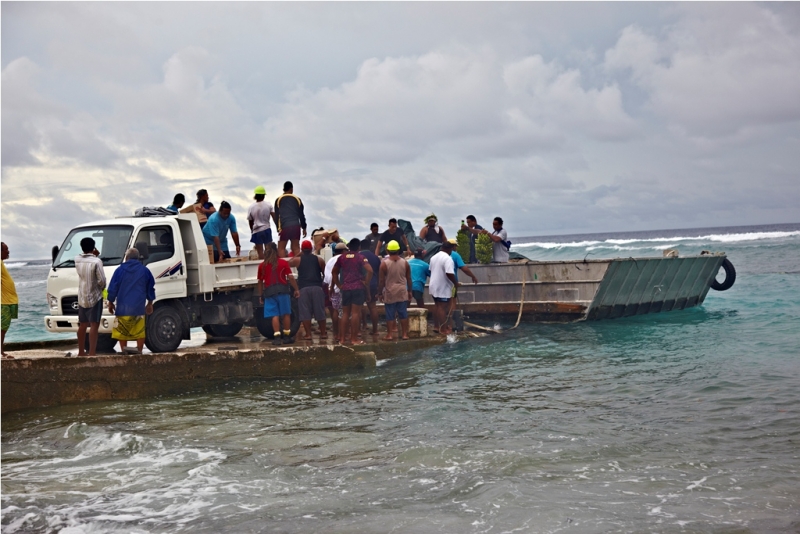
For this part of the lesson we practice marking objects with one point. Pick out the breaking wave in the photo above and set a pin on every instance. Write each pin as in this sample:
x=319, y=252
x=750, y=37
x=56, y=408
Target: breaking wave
x=659, y=242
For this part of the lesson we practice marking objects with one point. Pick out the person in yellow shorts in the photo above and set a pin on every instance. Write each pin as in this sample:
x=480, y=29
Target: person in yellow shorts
x=10, y=305
x=130, y=297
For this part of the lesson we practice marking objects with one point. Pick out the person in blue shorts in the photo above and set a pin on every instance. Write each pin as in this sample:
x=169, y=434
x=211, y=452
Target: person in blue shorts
x=275, y=285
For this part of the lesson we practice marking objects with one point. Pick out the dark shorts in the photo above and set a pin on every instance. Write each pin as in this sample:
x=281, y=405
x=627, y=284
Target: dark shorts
x=262, y=238
x=91, y=315
x=373, y=295
x=354, y=297
x=436, y=299
x=277, y=305
x=418, y=295
x=396, y=310
x=312, y=303
x=290, y=233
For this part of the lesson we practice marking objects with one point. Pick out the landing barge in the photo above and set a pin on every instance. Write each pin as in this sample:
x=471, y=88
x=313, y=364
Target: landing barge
x=567, y=291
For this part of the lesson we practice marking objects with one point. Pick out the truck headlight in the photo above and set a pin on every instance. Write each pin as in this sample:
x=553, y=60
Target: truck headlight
x=52, y=301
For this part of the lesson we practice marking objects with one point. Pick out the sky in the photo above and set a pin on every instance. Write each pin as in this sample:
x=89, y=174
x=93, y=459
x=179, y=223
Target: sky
x=559, y=117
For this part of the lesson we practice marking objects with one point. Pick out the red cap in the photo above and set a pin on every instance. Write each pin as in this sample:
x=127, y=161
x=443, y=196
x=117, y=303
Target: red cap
x=307, y=245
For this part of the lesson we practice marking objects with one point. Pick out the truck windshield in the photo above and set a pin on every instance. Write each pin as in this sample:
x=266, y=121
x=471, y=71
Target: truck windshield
x=111, y=241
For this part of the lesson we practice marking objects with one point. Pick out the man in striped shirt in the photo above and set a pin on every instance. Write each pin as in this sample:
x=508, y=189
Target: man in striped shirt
x=91, y=283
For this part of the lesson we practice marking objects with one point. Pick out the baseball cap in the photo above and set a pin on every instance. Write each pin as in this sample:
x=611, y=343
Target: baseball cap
x=307, y=245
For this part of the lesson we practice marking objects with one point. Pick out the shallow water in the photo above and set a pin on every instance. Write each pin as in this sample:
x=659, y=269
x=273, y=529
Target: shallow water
x=679, y=422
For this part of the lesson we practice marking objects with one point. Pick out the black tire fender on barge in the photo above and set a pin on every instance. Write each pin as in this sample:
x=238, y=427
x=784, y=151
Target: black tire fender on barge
x=730, y=277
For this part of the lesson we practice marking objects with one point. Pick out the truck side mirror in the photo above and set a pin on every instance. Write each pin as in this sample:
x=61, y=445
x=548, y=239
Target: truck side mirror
x=55, y=253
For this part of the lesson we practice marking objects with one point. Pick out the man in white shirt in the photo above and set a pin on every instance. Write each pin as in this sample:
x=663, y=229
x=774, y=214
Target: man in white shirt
x=500, y=244
x=258, y=215
x=443, y=282
x=91, y=283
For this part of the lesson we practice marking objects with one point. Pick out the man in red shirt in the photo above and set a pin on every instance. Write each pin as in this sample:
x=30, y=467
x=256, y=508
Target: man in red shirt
x=274, y=279
x=352, y=274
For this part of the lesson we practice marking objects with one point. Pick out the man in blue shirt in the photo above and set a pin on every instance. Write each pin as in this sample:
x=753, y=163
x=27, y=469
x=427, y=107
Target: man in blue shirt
x=420, y=271
x=216, y=229
x=459, y=266
x=130, y=297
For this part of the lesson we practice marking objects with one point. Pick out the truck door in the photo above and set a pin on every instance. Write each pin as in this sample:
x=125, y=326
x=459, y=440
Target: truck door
x=160, y=250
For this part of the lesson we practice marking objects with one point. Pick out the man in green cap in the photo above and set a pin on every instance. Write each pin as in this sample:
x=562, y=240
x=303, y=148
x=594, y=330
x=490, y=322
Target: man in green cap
x=258, y=215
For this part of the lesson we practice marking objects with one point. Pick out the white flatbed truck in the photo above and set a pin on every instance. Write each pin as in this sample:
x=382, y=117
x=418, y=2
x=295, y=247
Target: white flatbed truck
x=191, y=291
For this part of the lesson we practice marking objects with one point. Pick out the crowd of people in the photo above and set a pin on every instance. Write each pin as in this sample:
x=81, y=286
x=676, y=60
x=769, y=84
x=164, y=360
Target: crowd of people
x=381, y=267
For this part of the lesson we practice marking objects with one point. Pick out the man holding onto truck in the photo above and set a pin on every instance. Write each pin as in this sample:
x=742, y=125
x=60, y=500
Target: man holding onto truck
x=131, y=294
x=290, y=220
x=216, y=229
x=274, y=281
x=91, y=283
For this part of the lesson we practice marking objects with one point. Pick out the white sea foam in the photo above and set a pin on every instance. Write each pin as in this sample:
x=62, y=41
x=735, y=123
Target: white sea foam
x=673, y=241
x=16, y=264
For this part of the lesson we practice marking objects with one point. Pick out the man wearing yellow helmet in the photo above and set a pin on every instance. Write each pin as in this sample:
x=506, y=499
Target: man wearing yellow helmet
x=258, y=215
x=394, y=288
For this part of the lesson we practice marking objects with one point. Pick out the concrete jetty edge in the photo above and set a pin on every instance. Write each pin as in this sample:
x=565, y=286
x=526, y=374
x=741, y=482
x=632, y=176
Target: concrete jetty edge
x=29, y=383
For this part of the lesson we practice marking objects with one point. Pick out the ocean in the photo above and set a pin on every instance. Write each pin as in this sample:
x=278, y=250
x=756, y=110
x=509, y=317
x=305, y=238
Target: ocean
x=678, y=422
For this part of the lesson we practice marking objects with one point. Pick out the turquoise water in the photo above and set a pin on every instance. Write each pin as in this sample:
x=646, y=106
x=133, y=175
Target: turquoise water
x=679, y=422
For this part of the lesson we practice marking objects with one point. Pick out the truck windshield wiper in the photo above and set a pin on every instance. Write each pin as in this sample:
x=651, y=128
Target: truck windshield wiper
x=103, y=258
x=64, y=263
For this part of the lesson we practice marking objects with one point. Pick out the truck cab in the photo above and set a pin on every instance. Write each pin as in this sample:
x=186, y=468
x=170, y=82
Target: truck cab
x=190, y=289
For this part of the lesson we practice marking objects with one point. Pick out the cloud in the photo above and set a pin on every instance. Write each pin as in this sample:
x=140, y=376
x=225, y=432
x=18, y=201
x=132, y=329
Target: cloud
x=461, y=102
x=716, y=72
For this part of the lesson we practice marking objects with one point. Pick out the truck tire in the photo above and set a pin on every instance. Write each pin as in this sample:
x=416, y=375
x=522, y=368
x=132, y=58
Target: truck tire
x=264, y=326
x=222, y=330
x=730, y=277
x=164, y=330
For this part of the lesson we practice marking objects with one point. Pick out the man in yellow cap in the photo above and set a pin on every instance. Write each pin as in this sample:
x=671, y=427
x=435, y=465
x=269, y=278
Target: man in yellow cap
x=258, y=215
x=10, y=301
x=394, y=288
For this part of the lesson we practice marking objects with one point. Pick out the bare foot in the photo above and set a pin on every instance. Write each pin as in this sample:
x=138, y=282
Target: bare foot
x=406, y=337
x=387, y=338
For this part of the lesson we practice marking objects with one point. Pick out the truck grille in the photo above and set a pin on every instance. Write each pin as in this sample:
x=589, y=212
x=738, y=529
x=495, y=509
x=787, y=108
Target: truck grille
x=69, y=305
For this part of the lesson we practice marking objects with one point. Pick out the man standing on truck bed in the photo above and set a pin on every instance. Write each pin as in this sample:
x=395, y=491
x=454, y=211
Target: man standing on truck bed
x=216, y=229
x=133, y=288
x=91, y=283
x=203, y=208
x=290, y=220
x=258, y=215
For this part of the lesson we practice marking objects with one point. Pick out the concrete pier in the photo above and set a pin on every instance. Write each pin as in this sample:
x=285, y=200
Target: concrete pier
x=43, y=375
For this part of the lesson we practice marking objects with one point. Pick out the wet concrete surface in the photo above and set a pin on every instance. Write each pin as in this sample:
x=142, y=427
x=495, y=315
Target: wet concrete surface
x=55, y=375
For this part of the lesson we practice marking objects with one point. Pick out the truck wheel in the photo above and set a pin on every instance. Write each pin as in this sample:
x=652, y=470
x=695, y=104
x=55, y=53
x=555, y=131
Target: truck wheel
x=264, y=326
x=164, y=330
x=222, y=330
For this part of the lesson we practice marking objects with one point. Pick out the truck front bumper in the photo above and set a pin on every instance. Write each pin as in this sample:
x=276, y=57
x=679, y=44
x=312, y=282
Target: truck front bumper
x=69, y=323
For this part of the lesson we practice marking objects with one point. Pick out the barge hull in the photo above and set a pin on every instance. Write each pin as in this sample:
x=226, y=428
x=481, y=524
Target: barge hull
x=560, y=292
